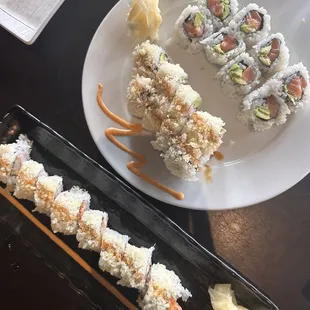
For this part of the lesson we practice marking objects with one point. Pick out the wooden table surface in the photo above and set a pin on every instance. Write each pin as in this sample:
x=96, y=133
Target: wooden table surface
x=269, y=243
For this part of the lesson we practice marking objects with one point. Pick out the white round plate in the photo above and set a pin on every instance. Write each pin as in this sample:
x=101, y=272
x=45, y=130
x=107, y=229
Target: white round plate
x=256, y=167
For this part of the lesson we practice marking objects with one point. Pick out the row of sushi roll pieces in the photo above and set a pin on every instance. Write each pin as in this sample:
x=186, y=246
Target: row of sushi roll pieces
x=70, y=214
x=241, y=43
x=159, y=94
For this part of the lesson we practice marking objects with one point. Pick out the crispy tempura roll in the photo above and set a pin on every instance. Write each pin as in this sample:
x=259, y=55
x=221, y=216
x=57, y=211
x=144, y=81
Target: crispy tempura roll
x=162, y=290
x=169, y=77
x=47, y=189
x=91, y=223
x=135, y=266
x=113, y=246
x=27, y=178
x=66, y=209
x=147, y=59
x=11, y=158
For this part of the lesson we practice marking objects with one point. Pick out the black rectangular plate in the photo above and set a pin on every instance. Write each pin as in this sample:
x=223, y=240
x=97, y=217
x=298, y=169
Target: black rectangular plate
x=128, y=213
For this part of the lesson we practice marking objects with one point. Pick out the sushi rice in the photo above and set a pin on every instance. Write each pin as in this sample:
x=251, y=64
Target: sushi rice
x=233, y=79
x=219, y=47
x=264, y=108
x=252, y=23
x=271, y=54
x=193, y=25
x=220, y=18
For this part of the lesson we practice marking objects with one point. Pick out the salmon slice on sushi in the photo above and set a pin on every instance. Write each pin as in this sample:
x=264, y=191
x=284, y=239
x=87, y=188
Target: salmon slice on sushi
x=264, y=108
x=47, y=189
x=66, y=210
x=239, y=76
x=162, y=290
x=113, y=246
x=91, y=224
x=221, y=11
x=293, y=86
x=27, y=178
x=135, y=265
x=271, y=54
x=12, y=157
x=193, y=25
x=223, y=46
x=252, y=23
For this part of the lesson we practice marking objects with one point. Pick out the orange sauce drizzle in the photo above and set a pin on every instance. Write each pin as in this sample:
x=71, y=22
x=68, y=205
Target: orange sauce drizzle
x=208, y=174
x=68, y=250
x=218, y=155
x=132, y=129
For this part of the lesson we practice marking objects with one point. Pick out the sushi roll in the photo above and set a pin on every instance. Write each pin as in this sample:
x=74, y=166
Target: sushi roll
x=139, y=91
x=253, y=24
x=239, y=76
x=27, y=178
x=271, y=54
x=113, y=246
x=263, y=108
x=135, y=265
x=11, y=158
x=183, y=105
x=294, y=86
x=47, y=189
x=155, y=113
x=147, y=59
x=162, y=290
x=91, y=224
x=168, y=79
x=223, y=46
x=66, y=210
x=188, y=152
x=193, y=25
x=221, y=11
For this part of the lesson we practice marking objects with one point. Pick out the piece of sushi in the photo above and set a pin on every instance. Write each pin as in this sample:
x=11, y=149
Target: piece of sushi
x=193, y=25
x=11, y=158
x=188, y=152
x=27, y=178
x=271, y=54
x=223, y=46
x=183, y=105
x=147, y=59
x=253, y=24
x=162, y=290
x=263, y=108
x=293, y=86
x=168, y=79
x=113, y=246
x=66, y=210
x=91, y=224
x=47, y=189
x=155, y=112
x=239, y=76
x=135, y=266
x=221, y=11
x=139, y=92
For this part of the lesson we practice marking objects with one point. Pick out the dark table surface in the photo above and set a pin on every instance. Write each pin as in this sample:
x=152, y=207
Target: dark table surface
x=269, y=243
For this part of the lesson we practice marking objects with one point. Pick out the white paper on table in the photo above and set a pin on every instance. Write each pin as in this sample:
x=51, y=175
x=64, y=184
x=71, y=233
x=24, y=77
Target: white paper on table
x=27, y=18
